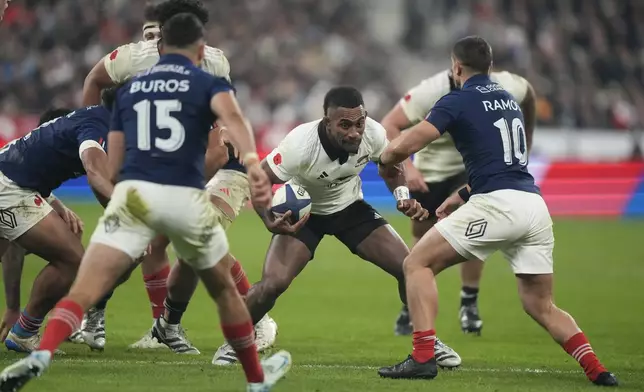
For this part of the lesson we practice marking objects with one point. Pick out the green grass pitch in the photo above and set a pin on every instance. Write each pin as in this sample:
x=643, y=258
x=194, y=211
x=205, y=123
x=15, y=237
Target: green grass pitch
x=337, y=319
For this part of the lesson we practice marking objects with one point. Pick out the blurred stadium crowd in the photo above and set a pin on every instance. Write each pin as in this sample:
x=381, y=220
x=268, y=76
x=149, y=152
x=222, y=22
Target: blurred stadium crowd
x=584, y=57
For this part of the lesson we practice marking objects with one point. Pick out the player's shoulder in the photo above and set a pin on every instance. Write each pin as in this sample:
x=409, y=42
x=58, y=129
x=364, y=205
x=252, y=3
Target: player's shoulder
x=216, y=63
x=514, y=84
x=128, y=59
x=373, y=128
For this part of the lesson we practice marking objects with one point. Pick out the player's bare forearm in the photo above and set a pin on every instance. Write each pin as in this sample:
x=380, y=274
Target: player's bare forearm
x=96, y=165
x=57, y=205
x=95, y=82
x=239, y=130
x=393, y=175
x=394, y=123
x=410, y=142
x=216, y=154
x=12, y=262
x=529, y=109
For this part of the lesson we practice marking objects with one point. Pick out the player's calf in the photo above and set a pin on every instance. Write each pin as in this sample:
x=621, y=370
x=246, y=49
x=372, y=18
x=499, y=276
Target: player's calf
x=263, y=295
x=536, y=296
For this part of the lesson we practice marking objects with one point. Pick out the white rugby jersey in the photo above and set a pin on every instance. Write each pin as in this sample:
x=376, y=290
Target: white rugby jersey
x=440, y=160
x=304, y=157
x=130, y=59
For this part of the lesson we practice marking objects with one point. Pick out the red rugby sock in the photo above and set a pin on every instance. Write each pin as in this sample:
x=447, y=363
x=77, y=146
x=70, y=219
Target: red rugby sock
x=242, y=339
x=424, y=345
x=155, y=285
x=65, y=319
x=579, y=348
x=240, y=278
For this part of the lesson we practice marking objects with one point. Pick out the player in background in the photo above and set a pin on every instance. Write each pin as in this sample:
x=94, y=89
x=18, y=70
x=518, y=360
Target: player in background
x=156, y=170
x=437, y=171
x=228, y=189
x=505, y=212
x=325, y=157
x=66, y=145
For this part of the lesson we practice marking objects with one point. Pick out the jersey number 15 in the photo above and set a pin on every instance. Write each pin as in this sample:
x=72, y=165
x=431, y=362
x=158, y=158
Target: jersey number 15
x=514, y=142
x=164, y=120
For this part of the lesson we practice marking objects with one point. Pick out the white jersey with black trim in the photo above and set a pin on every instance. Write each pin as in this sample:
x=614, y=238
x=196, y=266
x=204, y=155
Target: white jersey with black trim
x=440, y=160
x=128, y=60
x=302, y=159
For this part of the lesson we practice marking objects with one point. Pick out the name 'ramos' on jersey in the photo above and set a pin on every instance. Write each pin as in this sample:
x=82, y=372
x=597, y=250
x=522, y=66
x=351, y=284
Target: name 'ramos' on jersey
x=306, y=157
x=486, y=124
x=166, y=116
x=50, y=154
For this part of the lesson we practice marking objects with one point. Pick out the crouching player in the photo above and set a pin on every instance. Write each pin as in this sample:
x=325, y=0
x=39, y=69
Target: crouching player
x=160, y=131
x=66, y=145
x=326, y=157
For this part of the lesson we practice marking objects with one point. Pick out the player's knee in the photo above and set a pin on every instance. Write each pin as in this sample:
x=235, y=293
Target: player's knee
x=411, y=264
x=537, y=307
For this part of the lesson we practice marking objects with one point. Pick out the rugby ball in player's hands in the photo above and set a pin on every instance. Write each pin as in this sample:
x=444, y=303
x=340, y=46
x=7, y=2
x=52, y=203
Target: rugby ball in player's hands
x=292, y=198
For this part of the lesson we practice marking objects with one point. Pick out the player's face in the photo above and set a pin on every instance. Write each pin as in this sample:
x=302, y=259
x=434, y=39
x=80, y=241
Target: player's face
x=151, y=31
x=346, y=126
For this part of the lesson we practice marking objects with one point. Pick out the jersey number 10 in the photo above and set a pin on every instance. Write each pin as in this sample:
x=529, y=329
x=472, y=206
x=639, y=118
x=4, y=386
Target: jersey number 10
x=514, y=143
x=164, y=120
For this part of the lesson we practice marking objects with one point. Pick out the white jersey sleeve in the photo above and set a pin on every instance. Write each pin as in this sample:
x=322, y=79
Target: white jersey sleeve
x=512, y=83
x=376, y=138
x=128, y=60
x=288, y=157
x=420, y=99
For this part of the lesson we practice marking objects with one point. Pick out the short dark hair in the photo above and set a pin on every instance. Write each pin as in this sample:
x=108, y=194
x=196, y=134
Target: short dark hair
x=150, y=12
x=182, y=30
x=473, y=52
x=346, y=97
x=108, y=95
x=53, y=113
x=170, y=8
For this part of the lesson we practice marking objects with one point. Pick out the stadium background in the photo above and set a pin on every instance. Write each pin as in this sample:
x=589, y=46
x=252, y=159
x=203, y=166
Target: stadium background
x=583, y=58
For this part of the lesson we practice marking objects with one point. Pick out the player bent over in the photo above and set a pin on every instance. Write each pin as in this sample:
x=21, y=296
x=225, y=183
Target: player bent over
x=505, y=212
x=325, y=157
x=170, y=290
x=438, y=172
x=66, y=145
x=160, y=130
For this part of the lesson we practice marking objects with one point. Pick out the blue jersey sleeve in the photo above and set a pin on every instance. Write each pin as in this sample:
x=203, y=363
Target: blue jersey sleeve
x=94, y=130
x=444, y=113
x=219, y=85
x=116, y=124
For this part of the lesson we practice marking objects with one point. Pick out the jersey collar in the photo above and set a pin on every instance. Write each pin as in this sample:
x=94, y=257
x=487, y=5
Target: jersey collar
x=477, y=79
x=332, y=151
x=174, y=58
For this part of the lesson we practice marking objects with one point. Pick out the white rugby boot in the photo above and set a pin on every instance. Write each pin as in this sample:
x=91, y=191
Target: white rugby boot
x=445, y=356
x=275, y=368
x=15, y=376
x=93, y=330
x=265, y=336
x=148, y=342
x=24, y=344
x=174, y=337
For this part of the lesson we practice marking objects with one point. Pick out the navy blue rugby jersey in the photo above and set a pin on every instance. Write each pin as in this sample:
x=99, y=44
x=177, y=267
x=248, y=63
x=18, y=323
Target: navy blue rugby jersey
x=486, y=124
x=49, y=155
x=166, y=117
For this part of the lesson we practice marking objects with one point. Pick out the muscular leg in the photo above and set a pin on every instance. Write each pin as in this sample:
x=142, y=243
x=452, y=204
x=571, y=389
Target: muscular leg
x=286, y=258
x=535, y=292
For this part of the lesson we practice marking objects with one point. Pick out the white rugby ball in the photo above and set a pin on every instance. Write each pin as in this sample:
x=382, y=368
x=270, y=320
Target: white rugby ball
x=292, y=198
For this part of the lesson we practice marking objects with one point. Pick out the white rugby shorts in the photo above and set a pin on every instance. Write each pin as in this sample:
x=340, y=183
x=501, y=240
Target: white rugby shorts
x=20, y=209
x=232, y=187
x=139, y=210
x=514, y=222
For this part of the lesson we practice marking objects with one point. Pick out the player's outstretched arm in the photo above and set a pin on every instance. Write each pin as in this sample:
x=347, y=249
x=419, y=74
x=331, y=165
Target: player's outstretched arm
x=95, y=162
x=410, y=142
x=225, y=106
x=217, y=153
x=394, y=123
x=529, y=109
x=97, y=80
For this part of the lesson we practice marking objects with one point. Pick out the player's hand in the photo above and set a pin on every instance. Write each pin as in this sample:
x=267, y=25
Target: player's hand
x=261, y=191
x=415, y=180
x=226, y=140
x=282, y=224
x=9, y=318
x=413, y=209
x=449, y=205
x=74, y=222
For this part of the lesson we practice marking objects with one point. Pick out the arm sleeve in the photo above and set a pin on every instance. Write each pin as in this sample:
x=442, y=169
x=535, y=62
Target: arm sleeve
x=379, y=141
x=219, y=85
x=216, y=63
x=118, y=63
x=286, y=160
x=444, y=113
x=91, y=135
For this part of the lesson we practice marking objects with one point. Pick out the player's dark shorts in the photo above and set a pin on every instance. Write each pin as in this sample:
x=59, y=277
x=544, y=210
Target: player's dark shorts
x=439, y=191
x=351, y=226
